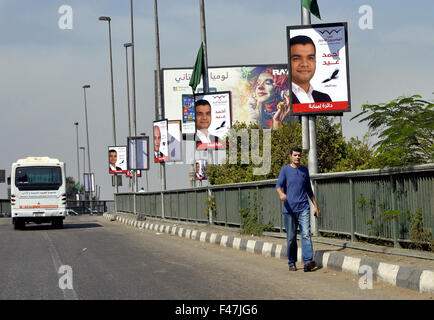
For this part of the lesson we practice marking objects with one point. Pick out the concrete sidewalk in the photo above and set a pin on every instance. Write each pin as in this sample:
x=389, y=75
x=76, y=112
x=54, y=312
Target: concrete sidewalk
x=398, y=267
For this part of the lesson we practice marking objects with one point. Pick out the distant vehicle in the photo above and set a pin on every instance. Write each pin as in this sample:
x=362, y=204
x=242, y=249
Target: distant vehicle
x=38, y=192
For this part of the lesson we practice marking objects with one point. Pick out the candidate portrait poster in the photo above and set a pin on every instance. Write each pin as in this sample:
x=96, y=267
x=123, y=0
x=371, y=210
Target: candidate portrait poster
x=213, y=119
x=318, y=64
x=175, y=140
x=130, y=173
x=160, y=138
x=117, y=157
x=199, y=169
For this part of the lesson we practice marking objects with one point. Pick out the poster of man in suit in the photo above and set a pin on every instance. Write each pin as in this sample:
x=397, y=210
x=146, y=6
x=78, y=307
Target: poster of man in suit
x=318, y=69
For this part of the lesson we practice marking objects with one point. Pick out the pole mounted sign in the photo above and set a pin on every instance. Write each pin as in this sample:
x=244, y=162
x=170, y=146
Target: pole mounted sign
x=318, y=69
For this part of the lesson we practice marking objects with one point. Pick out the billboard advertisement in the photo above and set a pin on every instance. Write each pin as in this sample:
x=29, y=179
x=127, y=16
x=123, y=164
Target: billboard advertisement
x=130, y=173
x=161, y=142
x=117, y=159
x=255, y=91
x=138, y=153
x=213, y=119
x=89, y=182
x=199, y=169
x=318, y=60
x=188, y=114
x=175, y=140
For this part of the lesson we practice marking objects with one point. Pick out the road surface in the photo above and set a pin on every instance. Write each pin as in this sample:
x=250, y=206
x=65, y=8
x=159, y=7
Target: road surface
x=99, y=259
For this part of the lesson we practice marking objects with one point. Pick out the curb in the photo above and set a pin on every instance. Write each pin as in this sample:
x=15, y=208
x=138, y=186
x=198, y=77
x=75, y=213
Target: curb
x=409, y=277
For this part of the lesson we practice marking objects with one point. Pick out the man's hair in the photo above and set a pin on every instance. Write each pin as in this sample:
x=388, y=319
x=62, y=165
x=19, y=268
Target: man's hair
x=112, y=150
x=201, y=102
x=301, y=40
x=295, y=149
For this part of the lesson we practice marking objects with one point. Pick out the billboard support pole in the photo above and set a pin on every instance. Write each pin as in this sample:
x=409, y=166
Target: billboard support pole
x=309, y=135
x=205, y=60
x=305, y=19
x=159, y=112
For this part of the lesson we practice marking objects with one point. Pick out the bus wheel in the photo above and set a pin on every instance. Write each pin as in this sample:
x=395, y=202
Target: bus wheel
x=57, y=223
x=18, y=224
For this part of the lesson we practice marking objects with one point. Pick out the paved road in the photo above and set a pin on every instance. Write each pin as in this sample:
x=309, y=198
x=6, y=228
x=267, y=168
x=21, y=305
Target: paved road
x=113, y=261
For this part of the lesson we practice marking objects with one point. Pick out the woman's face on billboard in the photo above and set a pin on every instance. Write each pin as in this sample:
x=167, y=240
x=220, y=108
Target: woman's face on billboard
x=264, y=87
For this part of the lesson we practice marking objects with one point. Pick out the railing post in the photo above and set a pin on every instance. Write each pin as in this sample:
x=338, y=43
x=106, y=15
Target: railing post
x=393, y=187
x=162, y=205
x=256, y=204
x=314, y=221
x=179, y=207
x=352, y=211
x=195, y=203
x=210, y=209
x=226, y=209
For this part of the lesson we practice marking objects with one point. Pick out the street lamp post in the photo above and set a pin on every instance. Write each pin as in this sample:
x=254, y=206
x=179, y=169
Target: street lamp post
x=108, y=19
x=84, y=167
x=134, y=84
x=127, y=45
x=78, y=161
x=88, y=147
x=159, y=112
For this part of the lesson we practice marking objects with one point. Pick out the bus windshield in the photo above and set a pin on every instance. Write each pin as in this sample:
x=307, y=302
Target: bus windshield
x=38, y=178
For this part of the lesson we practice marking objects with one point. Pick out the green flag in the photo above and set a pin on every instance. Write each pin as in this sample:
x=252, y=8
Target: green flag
x=312, y=6
x=198, y=70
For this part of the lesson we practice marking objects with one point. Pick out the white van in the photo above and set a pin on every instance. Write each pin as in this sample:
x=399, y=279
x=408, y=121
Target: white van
x=38, y=192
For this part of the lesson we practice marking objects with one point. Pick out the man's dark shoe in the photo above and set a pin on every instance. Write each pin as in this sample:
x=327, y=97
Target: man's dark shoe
x=309, y=266
x=292, y=267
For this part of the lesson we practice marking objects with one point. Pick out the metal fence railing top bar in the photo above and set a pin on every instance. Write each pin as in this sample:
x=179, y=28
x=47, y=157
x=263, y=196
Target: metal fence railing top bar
x=374, y=172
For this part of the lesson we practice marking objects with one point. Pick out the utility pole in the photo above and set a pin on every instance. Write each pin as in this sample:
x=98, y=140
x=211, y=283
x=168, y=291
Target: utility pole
x=309, y=134
x=159, y=111
x=205, y=61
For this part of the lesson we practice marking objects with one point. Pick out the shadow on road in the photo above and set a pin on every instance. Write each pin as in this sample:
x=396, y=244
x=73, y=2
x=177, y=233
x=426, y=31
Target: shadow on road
x=30, y=227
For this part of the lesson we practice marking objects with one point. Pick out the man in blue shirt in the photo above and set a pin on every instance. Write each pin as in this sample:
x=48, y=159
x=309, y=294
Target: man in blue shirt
x=293, y=187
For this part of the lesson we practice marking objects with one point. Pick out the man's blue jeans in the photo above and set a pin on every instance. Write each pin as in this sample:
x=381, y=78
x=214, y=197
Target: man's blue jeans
x=302, y=220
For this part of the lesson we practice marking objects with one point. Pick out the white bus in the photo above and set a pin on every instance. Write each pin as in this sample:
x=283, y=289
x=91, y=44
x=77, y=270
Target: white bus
x=38, y=192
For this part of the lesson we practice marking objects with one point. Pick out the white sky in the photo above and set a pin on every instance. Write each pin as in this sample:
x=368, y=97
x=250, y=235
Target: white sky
x=43, y=68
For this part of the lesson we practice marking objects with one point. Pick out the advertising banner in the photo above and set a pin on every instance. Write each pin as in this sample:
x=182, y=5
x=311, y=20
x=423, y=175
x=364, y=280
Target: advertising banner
x=117, y=159
x=161, y=143
x=199, y=169
x=175, y=140
x=213, y=119
x=319, y=77
x=255, y=91
x=89, y=182
x=130, y=173
x=138, y=153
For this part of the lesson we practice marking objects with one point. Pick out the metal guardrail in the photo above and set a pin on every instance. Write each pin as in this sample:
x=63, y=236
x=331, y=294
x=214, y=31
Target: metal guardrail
x=78, y=207
x=5, y=207
x=351, y=203
x=84, y=206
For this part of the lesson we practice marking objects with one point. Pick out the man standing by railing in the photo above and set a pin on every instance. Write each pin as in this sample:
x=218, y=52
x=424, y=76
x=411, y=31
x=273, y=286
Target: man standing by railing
x=293, y=187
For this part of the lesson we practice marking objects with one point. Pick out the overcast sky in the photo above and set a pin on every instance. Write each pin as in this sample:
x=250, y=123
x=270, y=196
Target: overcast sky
x=43, y=68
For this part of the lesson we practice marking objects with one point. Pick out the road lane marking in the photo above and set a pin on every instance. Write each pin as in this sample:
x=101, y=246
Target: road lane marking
x=68, y=294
